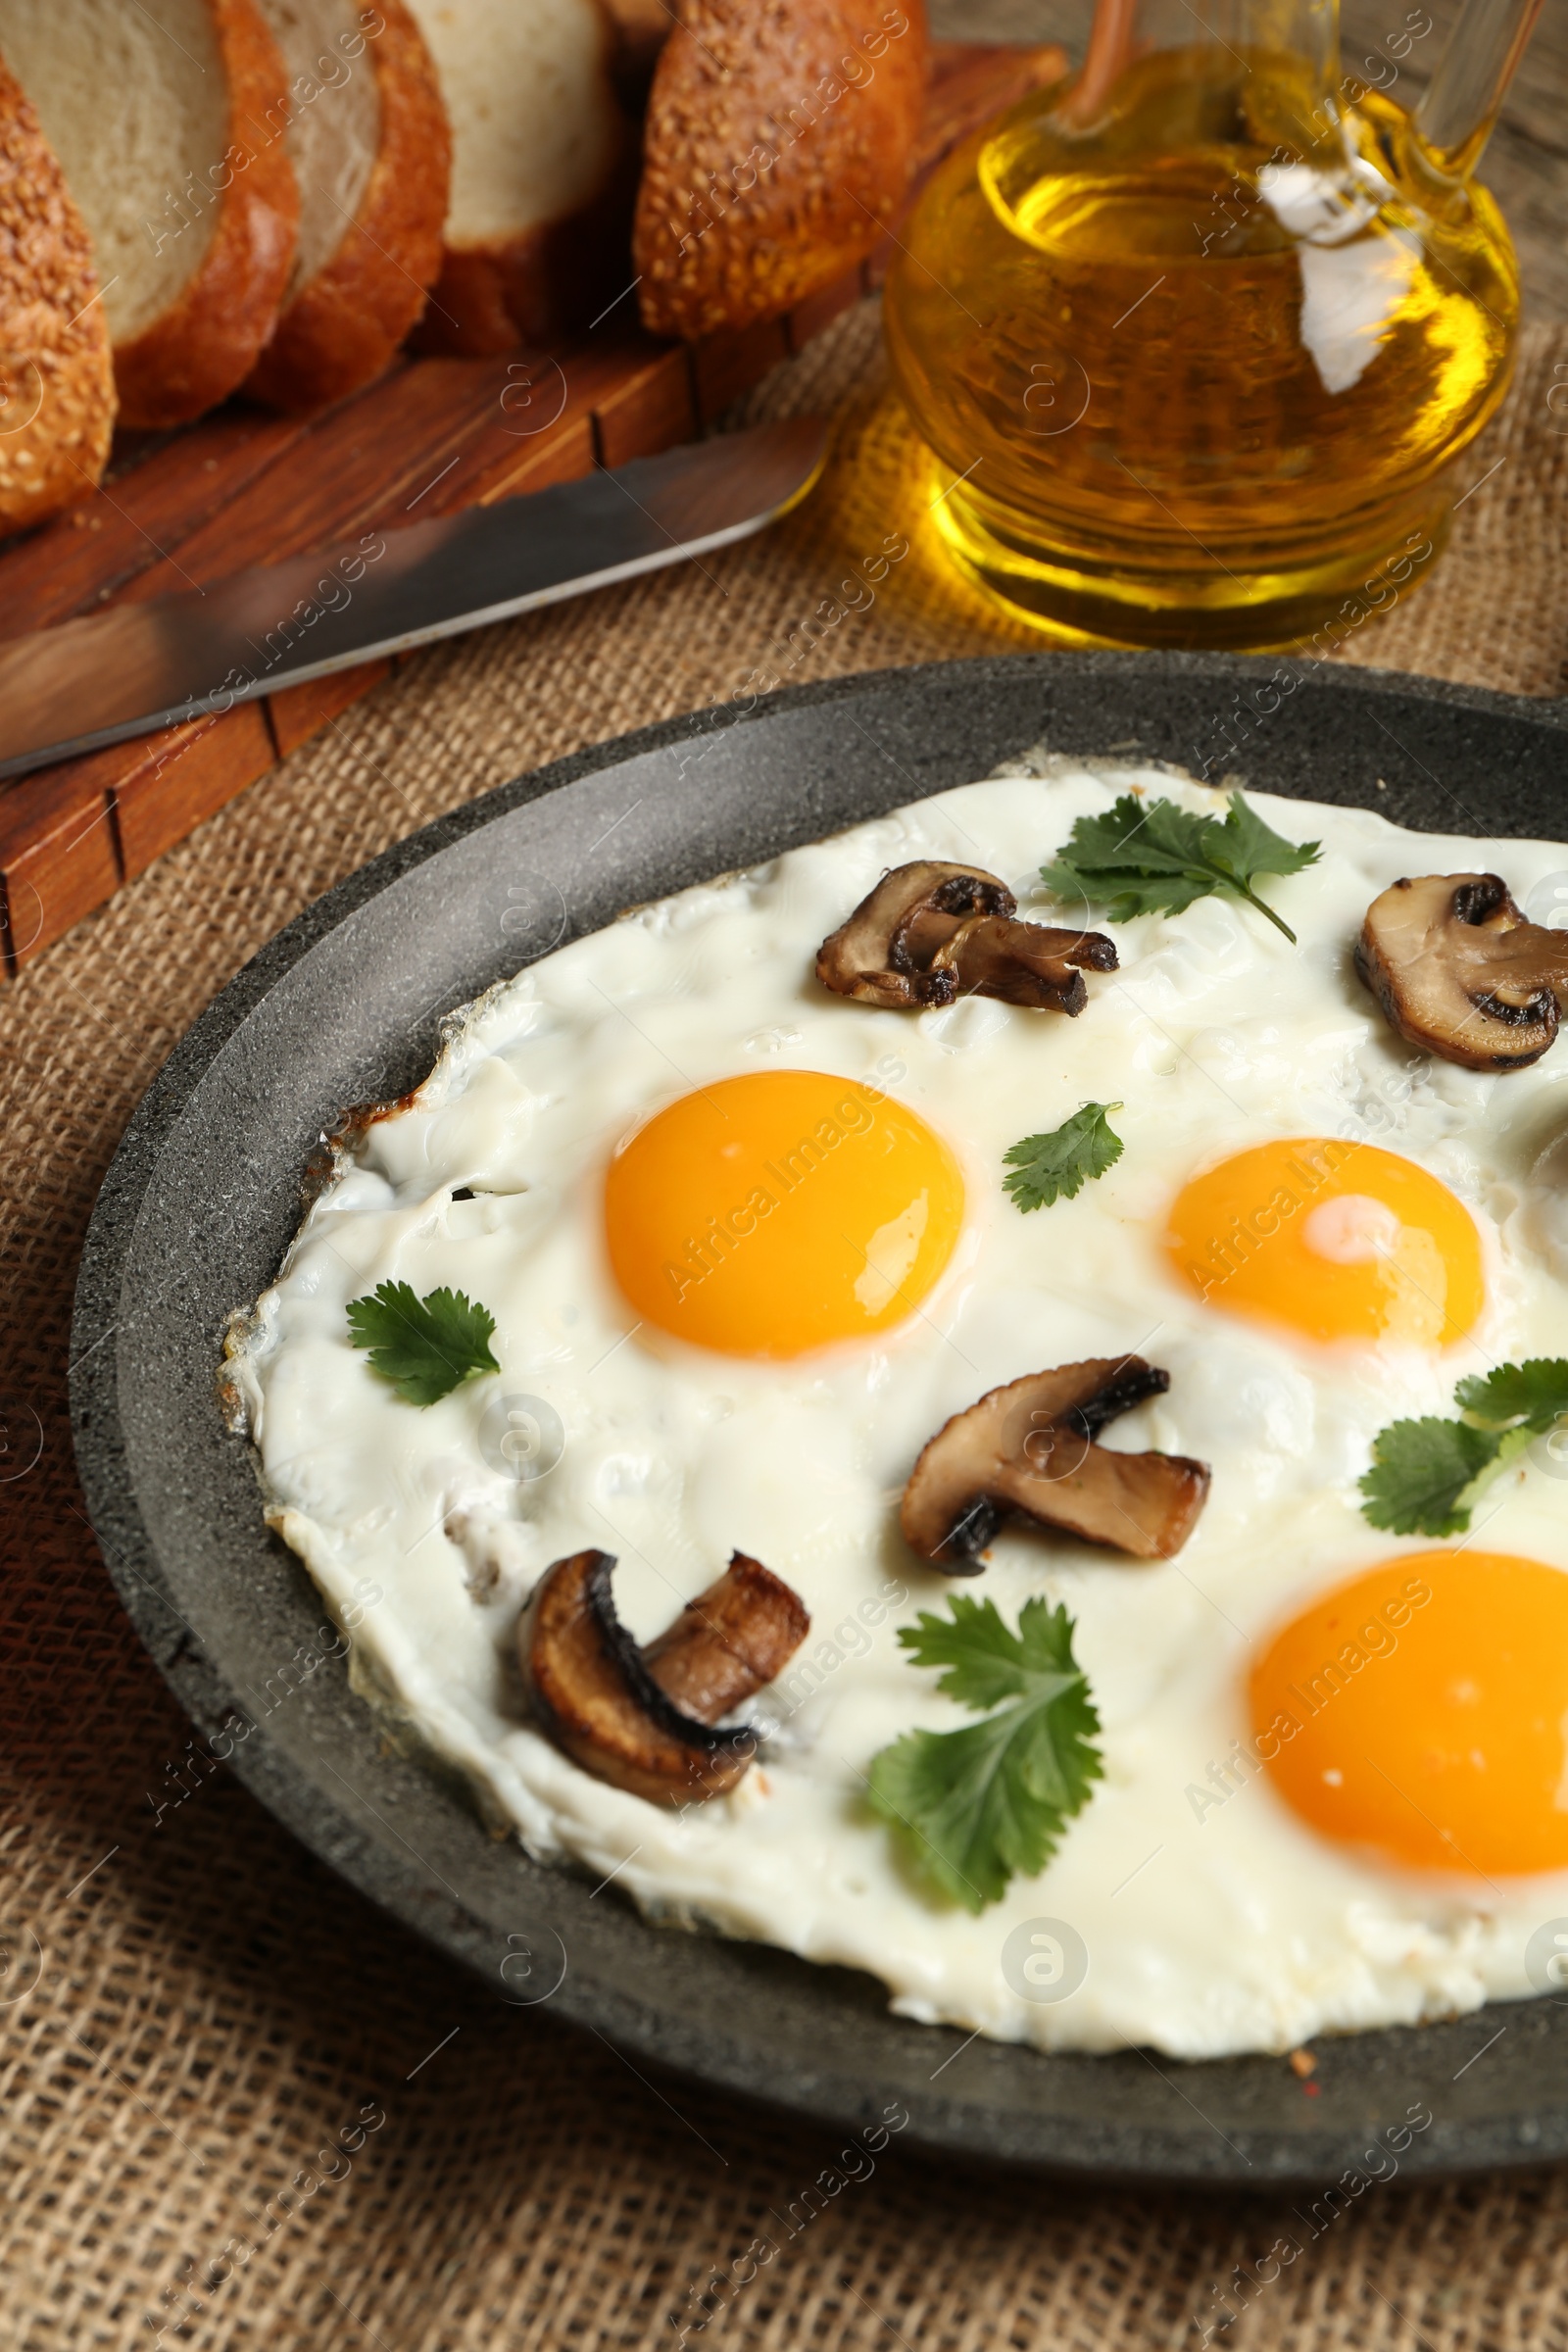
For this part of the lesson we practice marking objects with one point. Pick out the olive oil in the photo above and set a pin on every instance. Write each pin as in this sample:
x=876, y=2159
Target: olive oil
x=1197, y=373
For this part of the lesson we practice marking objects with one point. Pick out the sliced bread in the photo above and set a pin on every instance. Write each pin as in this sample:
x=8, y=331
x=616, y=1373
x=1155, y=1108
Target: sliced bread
x=777, y=149
x=170, y=120
x=57, y=385
x=542, y=170
x=371, y=153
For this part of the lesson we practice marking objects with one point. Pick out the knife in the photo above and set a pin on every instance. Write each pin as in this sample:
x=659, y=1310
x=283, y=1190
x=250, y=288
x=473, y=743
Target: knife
x=137, y=667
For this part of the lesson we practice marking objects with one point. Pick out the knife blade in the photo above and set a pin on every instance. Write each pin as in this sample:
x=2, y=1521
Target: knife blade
x=137, y=667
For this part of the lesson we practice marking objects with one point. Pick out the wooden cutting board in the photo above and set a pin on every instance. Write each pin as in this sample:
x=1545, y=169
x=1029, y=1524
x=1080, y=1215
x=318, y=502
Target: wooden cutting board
x=244, y=487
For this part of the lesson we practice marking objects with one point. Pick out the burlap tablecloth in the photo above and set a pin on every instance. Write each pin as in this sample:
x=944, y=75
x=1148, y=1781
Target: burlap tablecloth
x=195, y=2007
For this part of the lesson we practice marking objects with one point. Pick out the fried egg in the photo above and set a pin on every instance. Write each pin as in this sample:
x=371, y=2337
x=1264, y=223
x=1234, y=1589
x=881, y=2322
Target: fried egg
x=746, y=1247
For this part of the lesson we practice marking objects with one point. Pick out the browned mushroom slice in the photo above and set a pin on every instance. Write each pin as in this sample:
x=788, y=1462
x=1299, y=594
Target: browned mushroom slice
x=883, y=953
x=647, y=1720
x=1029, y=1449
x=1024, y=963
x=729, y=1641
x=1458, y=970
x=930, y=932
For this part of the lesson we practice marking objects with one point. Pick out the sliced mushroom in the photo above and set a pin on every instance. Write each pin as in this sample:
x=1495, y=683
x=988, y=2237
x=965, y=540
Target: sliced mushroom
x=1458, y=970
x=1029, y=1449
x=930, y=932
x=729, y=1641
x=647, y=1720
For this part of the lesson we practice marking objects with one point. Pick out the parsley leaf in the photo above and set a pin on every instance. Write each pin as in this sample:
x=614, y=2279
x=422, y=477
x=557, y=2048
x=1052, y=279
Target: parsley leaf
x=1057, y=1166
x=1421, y=1475
x=974, y=1806
x=425, y=1346
x=1535, y=1394
x=1428, y=1476
x=1153, y=857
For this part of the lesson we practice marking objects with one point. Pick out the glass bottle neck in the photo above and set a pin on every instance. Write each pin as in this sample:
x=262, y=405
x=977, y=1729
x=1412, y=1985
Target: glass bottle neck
x=1306, y=32
x=1450, y=128
x=1455, y=117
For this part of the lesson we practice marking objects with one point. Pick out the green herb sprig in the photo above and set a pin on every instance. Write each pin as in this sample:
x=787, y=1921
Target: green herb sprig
x=1426, y=1476
x=972, y=1807
x=1047, y=1168
x=424, y=1347
x=1153, y=857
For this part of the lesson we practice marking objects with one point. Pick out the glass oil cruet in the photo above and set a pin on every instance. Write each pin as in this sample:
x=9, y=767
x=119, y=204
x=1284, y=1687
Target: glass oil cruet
x=1195, y=336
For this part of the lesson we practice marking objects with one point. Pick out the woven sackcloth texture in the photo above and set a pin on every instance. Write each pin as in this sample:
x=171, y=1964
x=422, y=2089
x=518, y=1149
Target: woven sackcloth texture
x=192, y=2006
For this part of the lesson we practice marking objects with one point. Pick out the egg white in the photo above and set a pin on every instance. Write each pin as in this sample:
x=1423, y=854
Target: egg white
x=1209, y=1928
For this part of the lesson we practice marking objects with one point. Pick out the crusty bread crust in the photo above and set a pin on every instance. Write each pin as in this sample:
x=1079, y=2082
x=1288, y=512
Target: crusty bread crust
x=57, y=385
x=344, y=325
x=778, y=146
x=552, y=280
x=207, y=342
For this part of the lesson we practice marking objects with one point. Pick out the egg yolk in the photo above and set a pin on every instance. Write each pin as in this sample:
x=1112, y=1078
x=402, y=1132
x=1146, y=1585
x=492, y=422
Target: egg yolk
x=1339, y=1239
x=1423, y=1709
x=780, y=1212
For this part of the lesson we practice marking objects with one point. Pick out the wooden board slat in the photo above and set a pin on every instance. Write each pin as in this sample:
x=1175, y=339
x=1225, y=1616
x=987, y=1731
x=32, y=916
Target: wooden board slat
x=301, y=712
x=58, y=857
x=167, y=785
x=651, y=410
x=431, y=437
x=368, y=466
x=84, y=558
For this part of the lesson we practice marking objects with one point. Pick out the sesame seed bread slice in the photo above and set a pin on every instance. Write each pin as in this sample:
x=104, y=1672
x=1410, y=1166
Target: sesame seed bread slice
x=371, y=153
x=169, y=117
x=57, y=385
x=778, y=144
x=542, y=170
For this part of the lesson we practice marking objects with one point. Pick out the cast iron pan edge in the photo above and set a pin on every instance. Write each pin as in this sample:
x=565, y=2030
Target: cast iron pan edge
x=741, y=2017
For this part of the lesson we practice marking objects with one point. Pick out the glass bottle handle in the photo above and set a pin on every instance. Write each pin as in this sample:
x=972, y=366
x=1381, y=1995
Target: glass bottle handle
x=1455, y=117
x=1110, y=45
